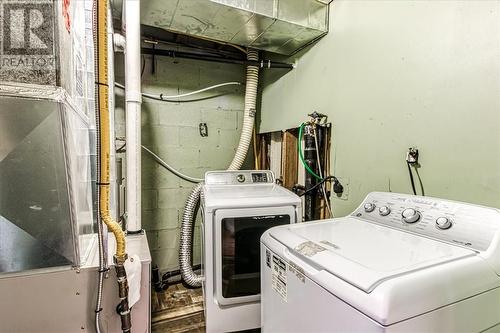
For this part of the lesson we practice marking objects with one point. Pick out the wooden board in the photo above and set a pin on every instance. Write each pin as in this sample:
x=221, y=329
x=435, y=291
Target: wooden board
x=275, y=154
x=289, y=161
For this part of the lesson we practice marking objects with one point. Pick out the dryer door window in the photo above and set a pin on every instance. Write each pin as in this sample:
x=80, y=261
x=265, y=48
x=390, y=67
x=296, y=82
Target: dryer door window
x=240, y=255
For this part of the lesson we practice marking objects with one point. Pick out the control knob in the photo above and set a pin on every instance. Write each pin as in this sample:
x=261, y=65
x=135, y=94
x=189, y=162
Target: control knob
x=443, y=223
x=369, y=207
x=384, y=210
x=410, y=215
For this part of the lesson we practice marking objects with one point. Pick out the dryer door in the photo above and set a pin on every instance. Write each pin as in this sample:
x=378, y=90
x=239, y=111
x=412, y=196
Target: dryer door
x=237, y=235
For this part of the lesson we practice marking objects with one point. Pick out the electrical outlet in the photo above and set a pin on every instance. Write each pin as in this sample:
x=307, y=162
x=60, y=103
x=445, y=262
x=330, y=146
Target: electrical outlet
x=203, y=129
x=412, y=155
x=345, y=193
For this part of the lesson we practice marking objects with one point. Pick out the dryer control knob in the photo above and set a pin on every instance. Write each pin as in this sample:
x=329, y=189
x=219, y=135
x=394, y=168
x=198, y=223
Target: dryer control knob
x=369, y=207
x=443, y=223
x=384, y=210
x=410, y=215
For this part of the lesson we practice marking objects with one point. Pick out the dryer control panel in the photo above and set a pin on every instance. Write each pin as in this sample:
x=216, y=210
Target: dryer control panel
x=457, y=223
x=239, y=177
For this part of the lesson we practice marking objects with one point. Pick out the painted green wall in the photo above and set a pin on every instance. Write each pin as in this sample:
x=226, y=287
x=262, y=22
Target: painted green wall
x=395, y=74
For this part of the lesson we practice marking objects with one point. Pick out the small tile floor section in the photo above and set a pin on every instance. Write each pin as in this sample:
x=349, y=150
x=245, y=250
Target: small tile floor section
x=177, y=310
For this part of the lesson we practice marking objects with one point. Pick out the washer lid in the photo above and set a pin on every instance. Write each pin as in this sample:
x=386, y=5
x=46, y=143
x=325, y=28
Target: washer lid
x=364, y=254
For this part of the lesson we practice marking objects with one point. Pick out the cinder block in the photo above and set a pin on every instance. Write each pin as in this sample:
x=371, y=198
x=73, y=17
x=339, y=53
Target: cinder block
x=225, y=98
x=168, y=239
x=161, y=219
x=160, y=136
x=213, y=73
x=220, y=118
x=152, y=237
x=216, y=159
x=166, y=259
x=149, y=199
x=197, y=172
x=172, y=198
x=177, y=71
x=179, y=115
x=147, y=218
x=149, y=170
x=149, y=114
x=229, y=138
x=171, y=130
x=189, y=136
x=179, y=157
x=166, y=179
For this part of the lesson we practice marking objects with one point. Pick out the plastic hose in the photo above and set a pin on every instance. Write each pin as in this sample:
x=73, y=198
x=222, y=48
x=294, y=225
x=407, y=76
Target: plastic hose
x=249, y=116
x=162, y=97
x=171, y=168
x=185, y=249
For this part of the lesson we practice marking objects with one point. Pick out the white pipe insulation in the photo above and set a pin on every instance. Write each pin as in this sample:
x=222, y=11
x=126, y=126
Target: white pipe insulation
x=133, y=99
x=188, y=217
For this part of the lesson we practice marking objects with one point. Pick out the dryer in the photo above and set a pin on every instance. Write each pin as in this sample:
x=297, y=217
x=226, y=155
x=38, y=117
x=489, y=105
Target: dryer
x=237, y=208
x=398, y=263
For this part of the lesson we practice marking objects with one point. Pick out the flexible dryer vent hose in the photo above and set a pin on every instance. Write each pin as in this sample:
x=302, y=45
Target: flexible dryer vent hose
x=185, y=249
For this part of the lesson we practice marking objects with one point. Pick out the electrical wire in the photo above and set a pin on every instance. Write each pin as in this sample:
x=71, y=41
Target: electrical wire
x=420, y=182
x=162, y=97
x=411, y=178
x=172, y=169
x=321, y=172
x=318, y=184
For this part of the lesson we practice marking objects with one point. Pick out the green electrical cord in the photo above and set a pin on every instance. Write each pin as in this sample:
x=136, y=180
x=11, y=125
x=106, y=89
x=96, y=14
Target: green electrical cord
x=301, y=155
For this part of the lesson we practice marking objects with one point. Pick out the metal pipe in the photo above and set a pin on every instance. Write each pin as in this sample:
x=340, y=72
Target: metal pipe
x=310, y=181
x=102, y=93
x=101, y=228
x=133, y=100
x=195, y=56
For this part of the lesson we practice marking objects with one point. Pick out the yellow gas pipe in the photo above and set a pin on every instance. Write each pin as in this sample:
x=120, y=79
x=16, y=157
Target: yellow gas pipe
x=104, y=139
x=101, y=6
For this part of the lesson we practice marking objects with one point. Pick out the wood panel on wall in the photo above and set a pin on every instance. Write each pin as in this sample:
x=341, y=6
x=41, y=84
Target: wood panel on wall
x=288, y=158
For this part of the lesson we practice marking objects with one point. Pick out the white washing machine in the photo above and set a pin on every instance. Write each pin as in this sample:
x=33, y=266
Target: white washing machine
x=398, y=263
x=238, y=207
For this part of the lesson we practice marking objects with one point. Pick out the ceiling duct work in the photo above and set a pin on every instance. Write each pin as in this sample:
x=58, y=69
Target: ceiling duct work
x=280, y=26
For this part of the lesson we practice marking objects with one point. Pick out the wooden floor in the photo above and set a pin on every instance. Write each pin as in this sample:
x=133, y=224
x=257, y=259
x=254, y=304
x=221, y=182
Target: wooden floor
x=177, y=310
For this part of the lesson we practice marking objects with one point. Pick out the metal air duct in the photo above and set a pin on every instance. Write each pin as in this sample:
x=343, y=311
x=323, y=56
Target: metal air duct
x=280, y=26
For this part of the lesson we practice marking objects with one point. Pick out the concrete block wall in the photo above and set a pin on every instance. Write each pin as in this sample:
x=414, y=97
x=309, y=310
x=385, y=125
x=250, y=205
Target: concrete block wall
x=171, y=130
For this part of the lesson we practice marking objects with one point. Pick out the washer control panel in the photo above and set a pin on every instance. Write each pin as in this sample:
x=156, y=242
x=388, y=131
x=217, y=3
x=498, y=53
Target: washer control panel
x=239, y=177
x=458, y=223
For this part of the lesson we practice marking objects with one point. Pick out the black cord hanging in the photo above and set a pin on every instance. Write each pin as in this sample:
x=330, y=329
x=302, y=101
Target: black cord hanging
x=411, y=178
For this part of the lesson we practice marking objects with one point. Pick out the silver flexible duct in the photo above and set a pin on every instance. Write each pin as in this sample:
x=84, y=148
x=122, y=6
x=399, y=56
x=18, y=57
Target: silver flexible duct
x=188, y=217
